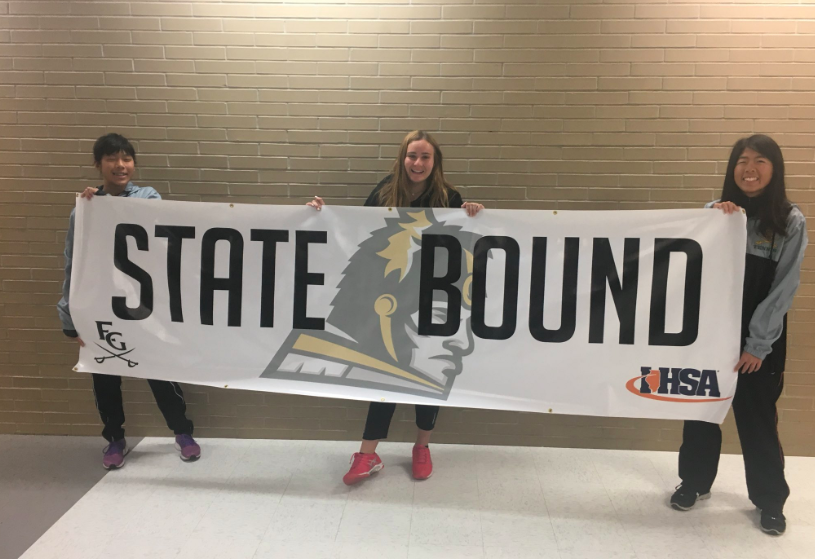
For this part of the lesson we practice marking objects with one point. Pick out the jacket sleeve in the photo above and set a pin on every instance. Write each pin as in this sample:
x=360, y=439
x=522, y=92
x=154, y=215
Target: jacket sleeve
x=767, y=321
x=63, y=307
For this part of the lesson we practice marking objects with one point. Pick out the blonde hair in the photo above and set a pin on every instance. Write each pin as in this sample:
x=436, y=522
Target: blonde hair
x=396, y=192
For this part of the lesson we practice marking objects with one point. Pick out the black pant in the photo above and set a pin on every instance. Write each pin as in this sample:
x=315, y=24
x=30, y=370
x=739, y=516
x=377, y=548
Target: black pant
x=381, y=413
x=170, y=400
x=756, y=420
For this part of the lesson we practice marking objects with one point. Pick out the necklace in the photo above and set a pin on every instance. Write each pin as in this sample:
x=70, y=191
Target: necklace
x=416, y=194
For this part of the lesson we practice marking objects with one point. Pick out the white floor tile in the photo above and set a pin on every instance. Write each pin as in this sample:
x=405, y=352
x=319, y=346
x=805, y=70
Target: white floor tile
x=261, y=499
x=445, y=552
x=373, y=551
x=375, y=523
x=307, y=520
x=507, y=529
x=601, y=554
x=520, y=552
x=445, y=527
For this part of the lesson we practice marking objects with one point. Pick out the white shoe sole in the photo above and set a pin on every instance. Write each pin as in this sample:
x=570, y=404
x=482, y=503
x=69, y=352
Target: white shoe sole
x=363, y=477
x=120, y=466
x=190, y=459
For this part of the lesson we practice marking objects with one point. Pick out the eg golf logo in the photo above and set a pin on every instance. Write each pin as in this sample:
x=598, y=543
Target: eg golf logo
x=677, y=384
x=115, y=346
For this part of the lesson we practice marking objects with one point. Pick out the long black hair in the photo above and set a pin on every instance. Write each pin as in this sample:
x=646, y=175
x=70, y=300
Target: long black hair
x=771, y=206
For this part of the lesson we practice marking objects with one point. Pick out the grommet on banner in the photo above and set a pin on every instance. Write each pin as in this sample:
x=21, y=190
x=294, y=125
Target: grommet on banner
x=226, y=386
x=550, y=410
x=390, y=209
x=554, y=212
x=75, y=369
x=231, y=205
x=78, y=195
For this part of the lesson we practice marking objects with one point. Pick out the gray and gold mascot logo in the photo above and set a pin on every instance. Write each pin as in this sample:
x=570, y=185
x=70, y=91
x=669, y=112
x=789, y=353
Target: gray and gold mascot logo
x=371, y=335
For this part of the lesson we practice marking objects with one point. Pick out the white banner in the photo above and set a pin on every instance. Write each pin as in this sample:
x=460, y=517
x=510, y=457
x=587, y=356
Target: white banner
x=627, y=314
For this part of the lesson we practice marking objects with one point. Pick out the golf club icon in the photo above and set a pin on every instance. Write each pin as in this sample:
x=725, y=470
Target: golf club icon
x=117, y=355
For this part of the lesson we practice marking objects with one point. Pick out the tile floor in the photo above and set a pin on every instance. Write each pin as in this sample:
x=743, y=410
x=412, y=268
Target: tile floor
x=266, y=499
x=40, y=479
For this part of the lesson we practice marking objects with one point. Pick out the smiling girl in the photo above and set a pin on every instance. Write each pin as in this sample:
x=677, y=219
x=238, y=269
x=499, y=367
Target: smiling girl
x=776, y=239
x=417, y=181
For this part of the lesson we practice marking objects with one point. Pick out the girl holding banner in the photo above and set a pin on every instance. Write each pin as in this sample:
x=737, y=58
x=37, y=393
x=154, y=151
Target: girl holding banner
x=416, y=181
x=776, y=239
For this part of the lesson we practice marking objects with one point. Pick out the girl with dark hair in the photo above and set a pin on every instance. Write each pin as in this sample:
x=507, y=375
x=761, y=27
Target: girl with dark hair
x=776, y=239
x=416, y=181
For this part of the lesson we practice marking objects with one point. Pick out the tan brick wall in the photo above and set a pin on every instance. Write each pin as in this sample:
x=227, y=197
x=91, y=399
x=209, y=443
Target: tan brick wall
x=568, y=105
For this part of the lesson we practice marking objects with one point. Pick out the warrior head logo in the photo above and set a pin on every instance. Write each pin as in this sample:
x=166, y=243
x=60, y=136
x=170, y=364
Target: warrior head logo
x=371, y=338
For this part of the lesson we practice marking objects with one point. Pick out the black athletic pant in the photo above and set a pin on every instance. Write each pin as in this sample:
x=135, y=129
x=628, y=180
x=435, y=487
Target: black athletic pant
x=381, y=413
x=756, y=420
x=170, y=400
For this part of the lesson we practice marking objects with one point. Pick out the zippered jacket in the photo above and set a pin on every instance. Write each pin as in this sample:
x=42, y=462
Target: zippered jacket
x=63, y=307
x=771, y=276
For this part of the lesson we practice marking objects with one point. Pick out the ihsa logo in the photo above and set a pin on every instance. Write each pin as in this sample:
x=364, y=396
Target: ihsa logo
x=688, y=385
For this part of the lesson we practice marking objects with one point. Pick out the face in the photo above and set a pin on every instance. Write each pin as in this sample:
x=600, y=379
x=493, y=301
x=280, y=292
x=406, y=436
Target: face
x=116, y=170
x=419, y=161
x=753, y=172
x=440, y=356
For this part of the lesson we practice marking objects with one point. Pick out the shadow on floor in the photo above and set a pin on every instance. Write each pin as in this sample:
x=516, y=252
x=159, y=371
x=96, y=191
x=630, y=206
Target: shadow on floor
x=41, y=478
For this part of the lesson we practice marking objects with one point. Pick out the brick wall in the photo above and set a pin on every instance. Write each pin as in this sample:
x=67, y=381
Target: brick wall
x=549, y=104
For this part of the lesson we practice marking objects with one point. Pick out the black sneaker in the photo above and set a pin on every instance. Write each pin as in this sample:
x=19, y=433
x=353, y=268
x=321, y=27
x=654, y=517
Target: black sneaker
x=684, y=498
x=773, y=523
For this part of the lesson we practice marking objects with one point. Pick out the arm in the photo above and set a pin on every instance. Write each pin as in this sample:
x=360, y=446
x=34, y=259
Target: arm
x=767, y=321
x=373, y=197
x=63, y=307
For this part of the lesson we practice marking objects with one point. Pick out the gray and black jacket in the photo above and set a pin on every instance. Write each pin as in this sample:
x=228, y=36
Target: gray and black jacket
x=771, y=277
x=130, y=191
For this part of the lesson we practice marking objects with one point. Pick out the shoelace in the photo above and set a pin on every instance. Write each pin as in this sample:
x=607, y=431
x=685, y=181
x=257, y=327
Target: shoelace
x=684, y=491
x=184, y=441
x=422, y=455
x=358, y=458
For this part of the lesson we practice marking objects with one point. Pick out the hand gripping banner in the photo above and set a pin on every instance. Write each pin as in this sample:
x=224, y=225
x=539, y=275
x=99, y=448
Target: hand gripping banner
x=627, y=314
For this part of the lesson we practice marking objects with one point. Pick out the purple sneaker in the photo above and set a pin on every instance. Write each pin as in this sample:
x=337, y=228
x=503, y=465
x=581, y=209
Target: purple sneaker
x=115, y=453
x=189, y=449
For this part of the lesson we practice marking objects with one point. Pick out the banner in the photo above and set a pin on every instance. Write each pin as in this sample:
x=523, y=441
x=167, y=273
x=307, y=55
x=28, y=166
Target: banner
x=620, y=313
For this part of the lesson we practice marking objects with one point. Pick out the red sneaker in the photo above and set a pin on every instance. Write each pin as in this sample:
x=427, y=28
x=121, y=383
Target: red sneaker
x=362, y=466
x=422, y=464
